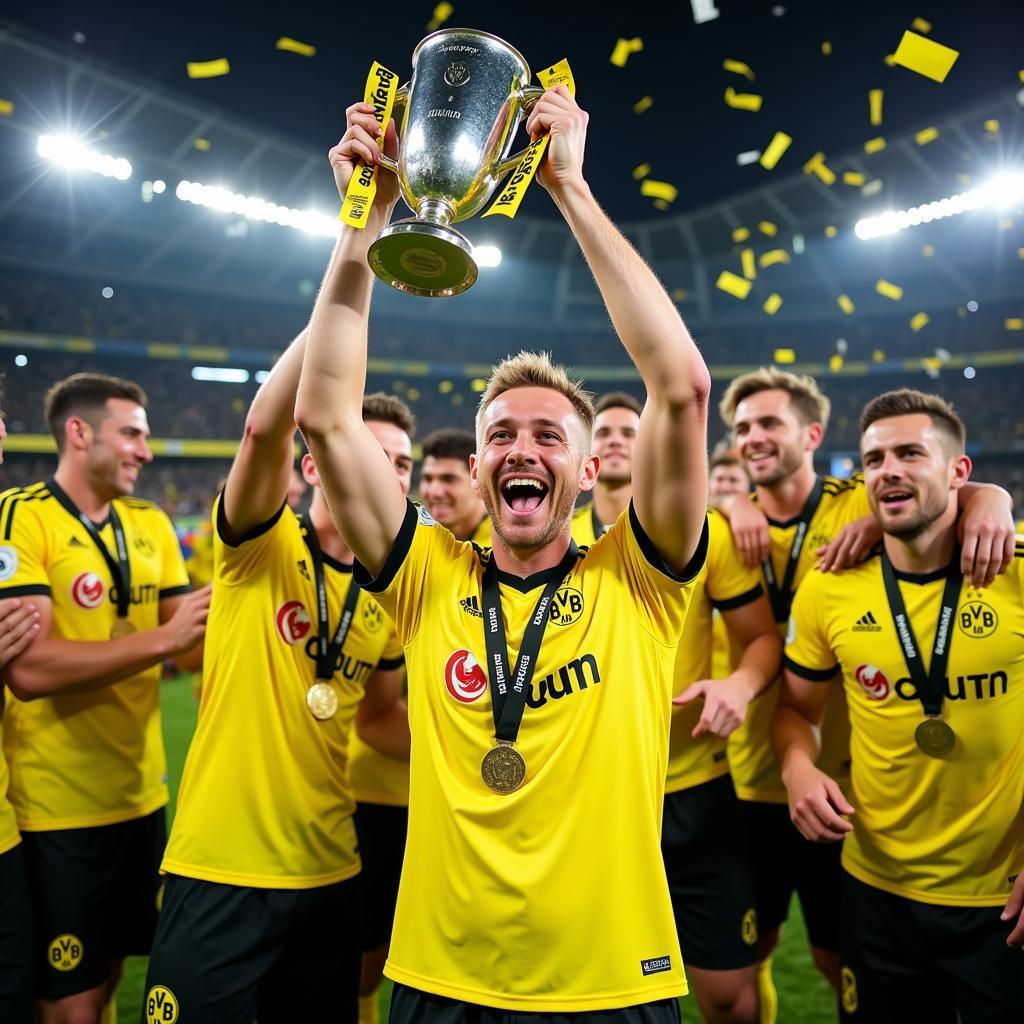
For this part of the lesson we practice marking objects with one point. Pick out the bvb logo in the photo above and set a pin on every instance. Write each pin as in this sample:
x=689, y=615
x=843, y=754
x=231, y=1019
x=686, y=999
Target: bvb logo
x=65, y=952
x=748, y=927
x=848, y=983
x=566, y=607
x=373, y=617
x=977, y=619
x=161, y=1006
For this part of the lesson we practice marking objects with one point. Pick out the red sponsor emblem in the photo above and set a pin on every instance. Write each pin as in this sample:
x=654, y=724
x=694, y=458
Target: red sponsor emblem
x=873, y=682
x=465, y=679
x=293, y=622
x=87, y=590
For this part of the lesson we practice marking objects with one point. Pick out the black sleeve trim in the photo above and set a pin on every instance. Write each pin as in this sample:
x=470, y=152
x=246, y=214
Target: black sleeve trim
x=257, y=531
x=653, y=555
x=175, y=591
x=390, y=663
x=26, y=590
x=739, y=600
x=403, y=542
x=815, y=675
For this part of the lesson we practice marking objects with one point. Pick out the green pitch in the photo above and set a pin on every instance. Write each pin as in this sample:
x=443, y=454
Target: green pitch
x=804, y=998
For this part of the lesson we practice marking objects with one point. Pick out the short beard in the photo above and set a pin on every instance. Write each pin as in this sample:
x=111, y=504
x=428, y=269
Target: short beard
x=788, y=462
x=915, y=527
x=545, y=533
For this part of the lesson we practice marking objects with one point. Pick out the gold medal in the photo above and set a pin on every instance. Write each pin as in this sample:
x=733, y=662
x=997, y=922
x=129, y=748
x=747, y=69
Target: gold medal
x=935, y=737
x=503, y=768
x=321, y=700
x=120, y=628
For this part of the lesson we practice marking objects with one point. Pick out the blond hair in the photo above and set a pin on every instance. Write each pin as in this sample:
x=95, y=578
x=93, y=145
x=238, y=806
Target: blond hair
x=535, y=370
x=804, y=394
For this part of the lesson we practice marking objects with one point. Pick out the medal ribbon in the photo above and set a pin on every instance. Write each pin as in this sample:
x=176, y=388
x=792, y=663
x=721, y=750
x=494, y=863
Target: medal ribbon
x=327, y=651
x=782, y=597
x=928, y=683
x=595, y=524
x=508, y=694
x=120, y=570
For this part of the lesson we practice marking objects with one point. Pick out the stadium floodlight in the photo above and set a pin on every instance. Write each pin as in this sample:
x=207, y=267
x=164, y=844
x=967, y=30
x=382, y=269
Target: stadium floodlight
x=221, y=374
x=487, y=255
x=74, y=155
x=1002, y=191
x=252, y=208
x=260, y=376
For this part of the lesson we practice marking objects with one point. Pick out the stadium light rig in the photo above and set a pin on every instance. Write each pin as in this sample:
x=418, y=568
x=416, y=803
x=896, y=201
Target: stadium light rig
x=71, y=153
x=487, y=255
x=214, y=197
x=1002, y=191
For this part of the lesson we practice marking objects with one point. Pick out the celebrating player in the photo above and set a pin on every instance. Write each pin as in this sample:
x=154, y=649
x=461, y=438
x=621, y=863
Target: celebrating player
x=446, y=488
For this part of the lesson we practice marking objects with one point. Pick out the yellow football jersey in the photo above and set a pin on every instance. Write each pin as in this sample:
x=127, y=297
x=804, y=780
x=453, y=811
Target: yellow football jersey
x=200, y=562
x=755, y=771
x=265, y=799
x=721, y=649
x=551, y=898
x=724, y=583
x=586, y=527
x=84, y=759
x=944, y=830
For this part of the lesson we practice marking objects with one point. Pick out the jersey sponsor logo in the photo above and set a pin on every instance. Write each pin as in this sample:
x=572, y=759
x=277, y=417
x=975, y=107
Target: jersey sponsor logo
x=8, y=562
x=65, y=952
x=567, y=606
x=977, y=620
x=424, y=516
x=464, y=677
x=293, y=622
x=471, y=606
x=561, y=683
x=148, y=593
x=848, y=990
x=88, y=590
x=867, y=623
x=373, y=616
x=656, y=965
x=873, y=682
x=976, y=685
x=161, y=1006
x=748, y=927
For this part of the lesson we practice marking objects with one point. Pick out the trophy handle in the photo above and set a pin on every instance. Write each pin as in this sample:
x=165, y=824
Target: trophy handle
x=401, y=98
x=530, y=94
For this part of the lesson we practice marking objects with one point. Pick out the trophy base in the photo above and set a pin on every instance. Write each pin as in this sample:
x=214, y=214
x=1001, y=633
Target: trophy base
x=422, y=258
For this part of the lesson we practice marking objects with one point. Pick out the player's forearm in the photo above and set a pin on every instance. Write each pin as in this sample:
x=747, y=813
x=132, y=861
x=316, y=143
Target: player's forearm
x=795, y=740
x=388, y=732
x=271, y=419
x=760, y=663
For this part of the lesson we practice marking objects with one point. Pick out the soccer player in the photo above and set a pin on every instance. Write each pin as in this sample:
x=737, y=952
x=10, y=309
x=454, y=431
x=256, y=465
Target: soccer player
x=616, y=424
x=446, y=488
x=83, y=742
x=727, y=476
x=297, y=487
x=516, y=895
x=932, y=835
x=260, y=912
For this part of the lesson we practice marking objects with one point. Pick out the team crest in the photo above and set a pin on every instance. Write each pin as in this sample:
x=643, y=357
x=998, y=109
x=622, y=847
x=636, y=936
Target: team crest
x=293, y=622
x=373, y=617
x=144, y=546
x=977, y=620
x=748, y=927
x=161, y=1006
x=464, y=677
x=873, y=682
x=566, y=607
x=848, y=990
x=87, y=590
x=64, y=953
x=8, y=562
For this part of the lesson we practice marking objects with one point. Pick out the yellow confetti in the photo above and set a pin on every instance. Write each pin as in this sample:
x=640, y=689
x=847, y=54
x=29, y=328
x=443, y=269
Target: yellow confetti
x=926, y=135
x=775, y=150
x=624, y=48
x=835, y=362
x=919, y=320
x=853, y=178
x=874, y=145
x=208, y=68
x=766, y=227
x=1020, y=74
x=846, y=304
x=6, y=108
x=738, y=67
x=680, y=295
x=659, y=190
x=872, y=188
x=925, y=56
x=878, y=356
x=747, y=262
x=660, y=204
x=294, y=46
x=733, y=284
x=816, y=165
x=992, y=126
x=831, y=231
x=785, y=355
x=642, y=171
x=442, y=12
x=740, y=235
x=773, y=256
x=888, y=289
x=203, y=145
x=875, y=105
x=643, y=104
x=742, y=100
x=927, y=250
x=1014, y=323
x=890, y=60
x=772, y=304
x=922, y=26
x=826, y=48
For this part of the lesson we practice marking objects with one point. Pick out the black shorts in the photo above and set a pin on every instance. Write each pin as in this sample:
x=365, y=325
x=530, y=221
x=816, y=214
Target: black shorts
x=710, y=876
x=15, y=939
x=784, y=863
x=94, y=899
x=908, y=961
x=230, y=954
x=411, y=1006
x=381, y=829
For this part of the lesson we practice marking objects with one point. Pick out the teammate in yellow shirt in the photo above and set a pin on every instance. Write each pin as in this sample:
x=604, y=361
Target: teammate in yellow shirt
x=260, y=911
x=446, y=490
x=933, y=667
x=83, y=740
x=516, y=895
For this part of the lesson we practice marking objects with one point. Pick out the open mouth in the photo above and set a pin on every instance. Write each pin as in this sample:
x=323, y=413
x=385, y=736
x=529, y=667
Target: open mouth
x=523, y=494
x=895, y=499
x=756, y=458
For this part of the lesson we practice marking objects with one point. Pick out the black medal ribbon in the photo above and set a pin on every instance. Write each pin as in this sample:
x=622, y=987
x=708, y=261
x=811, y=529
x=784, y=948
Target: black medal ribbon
x=782, y=597
x=595, y=524
x=928, y=682
x=120, y=569
x=328, y=647
x=509, y=693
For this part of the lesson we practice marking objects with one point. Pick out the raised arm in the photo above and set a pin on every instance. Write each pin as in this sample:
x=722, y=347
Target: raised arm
x=359, y=483
x=670, y=457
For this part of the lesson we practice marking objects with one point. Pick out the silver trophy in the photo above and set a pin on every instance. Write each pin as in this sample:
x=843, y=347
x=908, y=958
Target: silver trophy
x=468, y=93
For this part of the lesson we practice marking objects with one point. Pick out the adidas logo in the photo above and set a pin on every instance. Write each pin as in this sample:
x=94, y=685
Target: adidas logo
x=471, y=605
x=75, y=543
x=867, y=623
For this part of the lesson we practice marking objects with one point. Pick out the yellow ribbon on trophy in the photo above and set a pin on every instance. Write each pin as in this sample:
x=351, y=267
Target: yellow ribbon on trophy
x=512, y=194
x=381, y=89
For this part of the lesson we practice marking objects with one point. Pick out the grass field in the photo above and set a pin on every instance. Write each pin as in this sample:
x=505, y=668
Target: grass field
x=804, y=998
